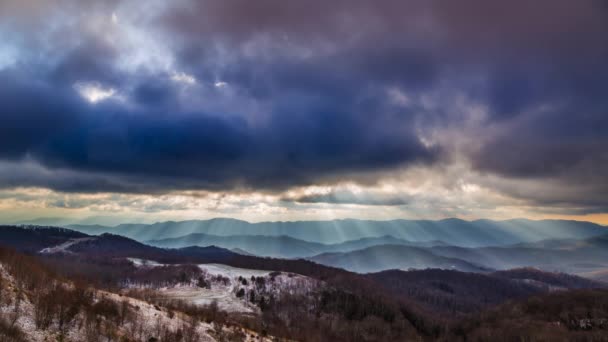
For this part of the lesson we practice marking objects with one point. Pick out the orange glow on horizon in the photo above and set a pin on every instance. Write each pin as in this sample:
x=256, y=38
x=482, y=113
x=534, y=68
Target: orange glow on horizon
x=595, y=218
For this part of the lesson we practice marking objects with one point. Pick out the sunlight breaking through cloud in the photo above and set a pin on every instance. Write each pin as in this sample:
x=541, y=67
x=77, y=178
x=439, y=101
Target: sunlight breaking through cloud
x=94, y=92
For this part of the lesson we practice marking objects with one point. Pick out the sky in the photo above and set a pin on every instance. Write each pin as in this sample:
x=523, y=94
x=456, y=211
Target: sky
x=128, y=111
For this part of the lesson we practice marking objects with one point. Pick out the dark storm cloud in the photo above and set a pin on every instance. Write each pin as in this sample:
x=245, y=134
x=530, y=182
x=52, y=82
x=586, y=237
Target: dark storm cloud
x=32, y=112
x=155, y=147
x=90, y=60
x=319, y=72
x=200, y=150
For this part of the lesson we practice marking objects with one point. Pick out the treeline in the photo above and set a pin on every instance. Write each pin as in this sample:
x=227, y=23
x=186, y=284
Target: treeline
x=452, y=294
x=321, y=315
x=555, y=279
x=114, y=274
x=226, y=327
x=576, y=315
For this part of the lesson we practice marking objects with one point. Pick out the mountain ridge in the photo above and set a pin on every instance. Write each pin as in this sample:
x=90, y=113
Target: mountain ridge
x=282, y=246
x=387, y=257
x=453, y=231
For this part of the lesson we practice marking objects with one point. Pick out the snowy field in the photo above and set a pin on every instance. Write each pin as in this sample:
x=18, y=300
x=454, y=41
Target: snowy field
x=232, y=272
x=224, y=293
x=212, y=269
x=224, y=296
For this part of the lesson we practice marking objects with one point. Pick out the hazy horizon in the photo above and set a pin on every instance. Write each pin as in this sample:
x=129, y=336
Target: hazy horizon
x=113, y=222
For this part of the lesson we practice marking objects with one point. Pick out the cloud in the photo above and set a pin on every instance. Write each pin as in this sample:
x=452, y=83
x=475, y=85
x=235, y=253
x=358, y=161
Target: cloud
x=268, y=96
x=178, y=148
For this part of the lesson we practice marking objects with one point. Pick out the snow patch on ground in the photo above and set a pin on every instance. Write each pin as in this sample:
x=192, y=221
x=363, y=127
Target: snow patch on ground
x=232, y=272
x=63, y=248
x=25, y=322
x=154, y=316
x=144, y=263
x=219, y=292
x=150, y=317
x=224, y=293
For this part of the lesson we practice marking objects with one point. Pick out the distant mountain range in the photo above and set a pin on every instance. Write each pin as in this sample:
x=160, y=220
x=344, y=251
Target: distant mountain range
x=586, y=257
x=49, y=240
x=283, y=246
x=454, y=232
x=573, y=247
x=583, y=257
x=428, y=300
x=386, y=257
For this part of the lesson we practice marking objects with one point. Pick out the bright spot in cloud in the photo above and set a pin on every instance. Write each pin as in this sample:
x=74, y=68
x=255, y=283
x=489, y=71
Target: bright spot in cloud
x=220, y=84
x=426, y=141
x=114, y=18
x=182, y=77
x=8, y=56
x=398, y=97
x=469, y=188
x=94, y=92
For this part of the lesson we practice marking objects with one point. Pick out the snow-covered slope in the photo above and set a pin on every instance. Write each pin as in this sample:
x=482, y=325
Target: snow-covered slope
x=20, y=312
x=63, y=248
x=233, y=289
x=232, y=272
